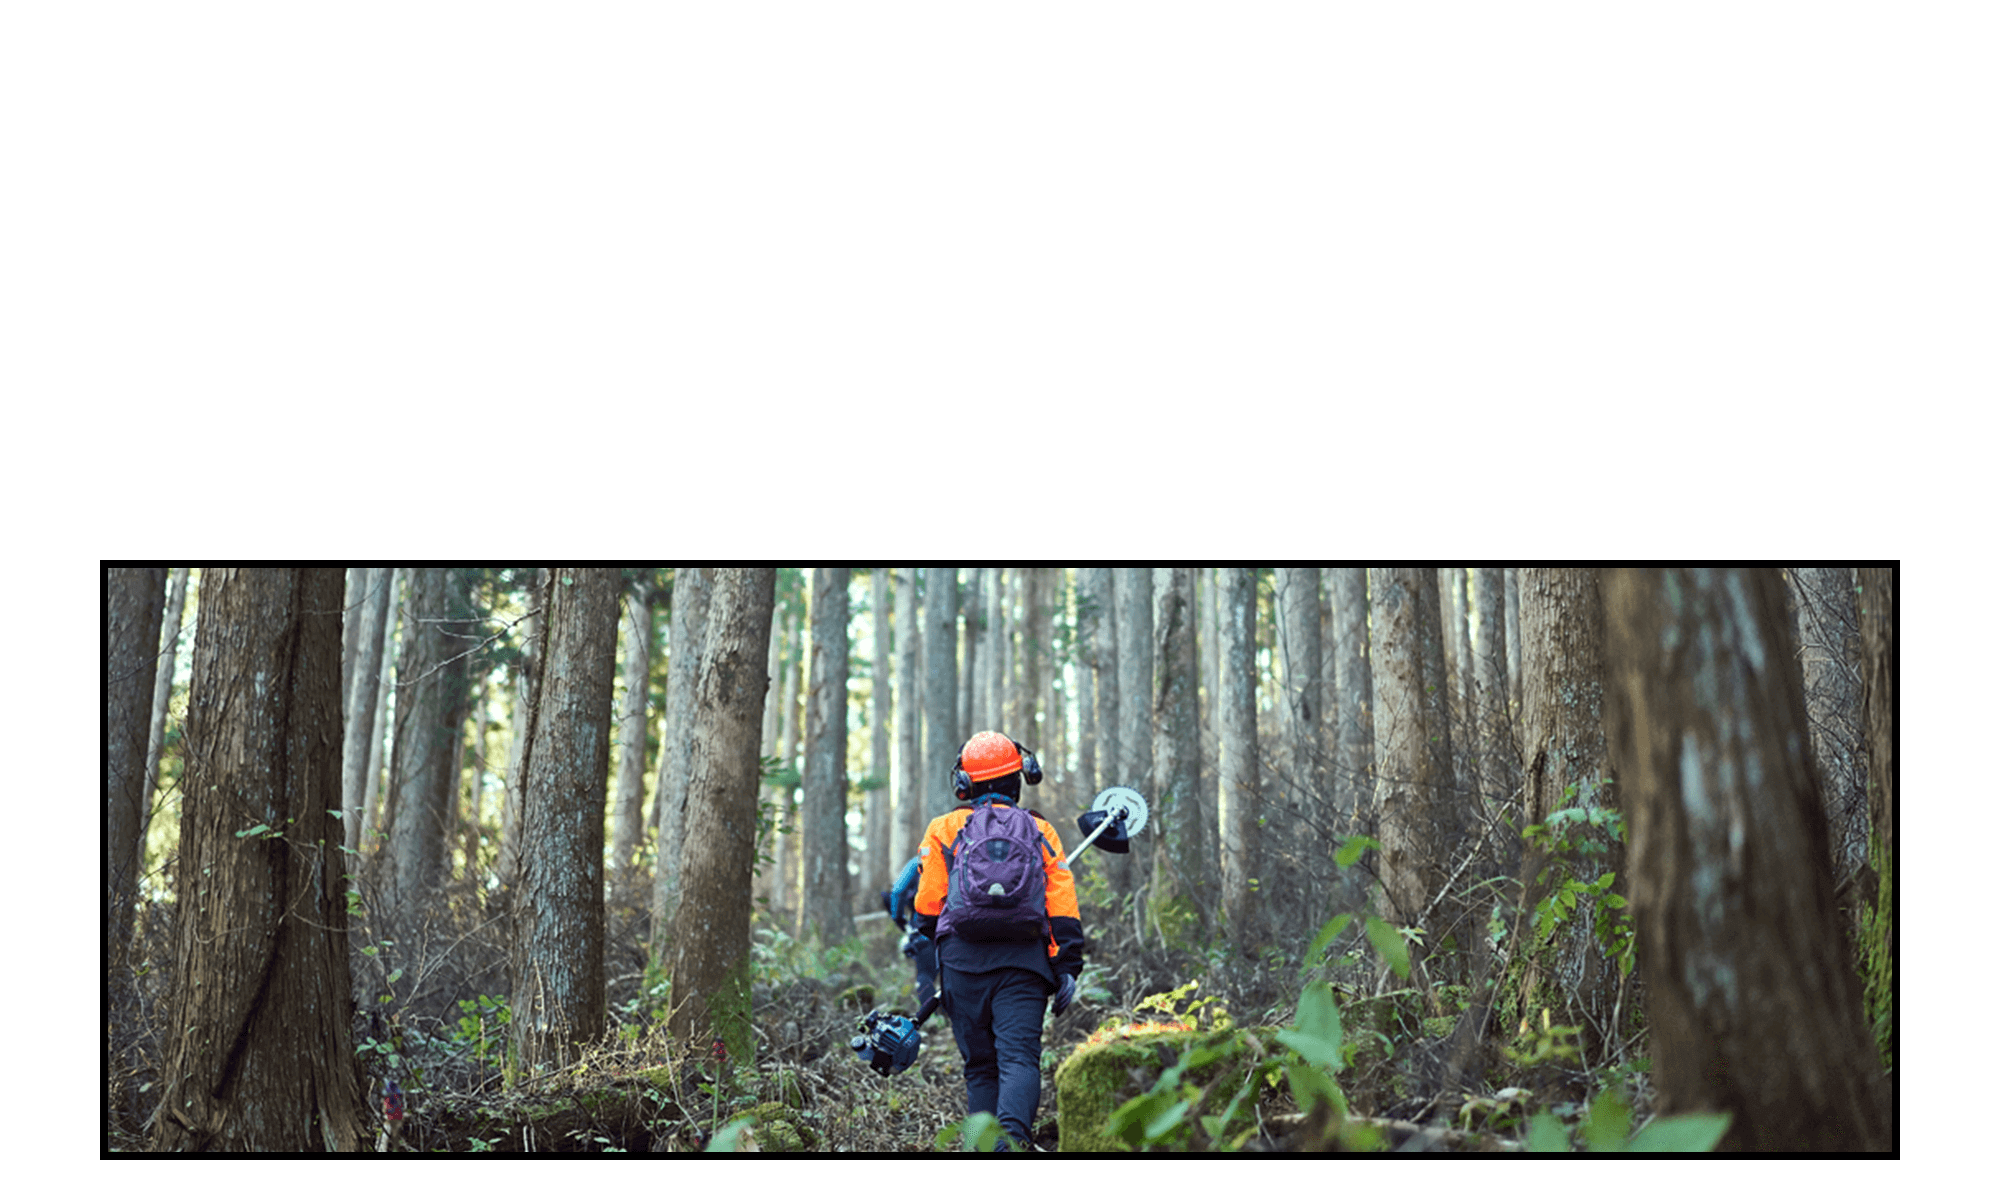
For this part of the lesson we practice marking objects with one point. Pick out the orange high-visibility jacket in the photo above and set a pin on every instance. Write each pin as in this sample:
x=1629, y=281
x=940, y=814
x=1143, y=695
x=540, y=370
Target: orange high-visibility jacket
x=932, y=879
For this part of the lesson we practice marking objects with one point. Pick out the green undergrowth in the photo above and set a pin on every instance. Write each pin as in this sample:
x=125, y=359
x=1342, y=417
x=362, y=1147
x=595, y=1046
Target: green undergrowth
x=1181, y=1075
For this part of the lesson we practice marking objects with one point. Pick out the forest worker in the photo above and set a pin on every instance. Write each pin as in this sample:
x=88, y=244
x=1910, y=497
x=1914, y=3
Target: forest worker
x=995, y=892
x=918, y=949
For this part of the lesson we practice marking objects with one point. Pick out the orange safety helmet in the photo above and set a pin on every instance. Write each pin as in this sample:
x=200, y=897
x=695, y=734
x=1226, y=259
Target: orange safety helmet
x=989, y=756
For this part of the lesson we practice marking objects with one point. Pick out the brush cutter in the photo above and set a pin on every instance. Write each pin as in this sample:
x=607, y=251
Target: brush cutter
x=1112, y=822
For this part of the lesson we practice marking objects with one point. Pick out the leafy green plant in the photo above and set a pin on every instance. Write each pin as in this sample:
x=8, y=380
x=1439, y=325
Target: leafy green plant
x=1604, y=1130
x=1498, y=1112
x=977, y=1133
x=1575, y=835
x=385, y=1050
x=482, y=1027
x=1390, y=941
x=652, y=1003
x=1316, y=1037
x=1550, y=1043
x=1572, y=835
x=1206, y=1012
x=391, y=1053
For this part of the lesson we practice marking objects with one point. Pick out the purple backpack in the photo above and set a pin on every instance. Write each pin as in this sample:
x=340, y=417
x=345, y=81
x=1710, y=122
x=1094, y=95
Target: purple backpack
x=996, y=889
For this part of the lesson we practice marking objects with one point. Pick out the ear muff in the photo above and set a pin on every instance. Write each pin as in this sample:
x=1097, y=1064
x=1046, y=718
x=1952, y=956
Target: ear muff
x=961, y=785
x=1031, y=769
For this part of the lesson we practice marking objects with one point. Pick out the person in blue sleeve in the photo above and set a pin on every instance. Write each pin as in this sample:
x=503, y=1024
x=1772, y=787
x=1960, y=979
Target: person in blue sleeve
x=920, y=950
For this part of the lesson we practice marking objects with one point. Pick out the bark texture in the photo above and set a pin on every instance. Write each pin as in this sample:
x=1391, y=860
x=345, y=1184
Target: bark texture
x=1754, y=1006
x=1417, y=818
x=1184, y=850
x=133, y=601
x=259, y=1056
x=1240, y=793
x=823, y=804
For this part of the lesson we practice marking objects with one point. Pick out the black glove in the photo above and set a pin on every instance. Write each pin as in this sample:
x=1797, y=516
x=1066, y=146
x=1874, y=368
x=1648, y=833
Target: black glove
x=1065, y=992
x=913, y=942
x=887, y=907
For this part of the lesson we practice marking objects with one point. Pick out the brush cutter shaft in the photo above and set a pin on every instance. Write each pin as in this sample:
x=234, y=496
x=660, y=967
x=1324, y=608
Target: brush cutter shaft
x=1121, y=807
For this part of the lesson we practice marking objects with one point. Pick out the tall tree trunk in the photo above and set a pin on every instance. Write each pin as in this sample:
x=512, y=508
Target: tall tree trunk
x=363, y=697
x=527, y=680
x=430, y=720
x=764, y=884
x=975, y=632
x=825, y=907
x=1514, y=638
x=628, y=806
x=1086, y=688
x=556, y=962
x=372, y=792
x=693, y=589
x=1056, y=684
x=1754, y=1006
x=1417, y=817
x=786, y=901
x=259, y=1057
x=1878, y=919
x=711, y=966
x=1304, y=815
x=1135, y=707
x=912, y=806
x=941, y=731
x=876, y=870
x=995, y=655
x=1347, y=590
x=475, y=764
x=1459, y=612
x=1499, y=758
x=1208, y=641
x=1829, y=636
x=1098, y=586
x=1183, y=853
x=1240, y=797
x=351, y=629
x=132, y=609
x=1568, y=766
x=163, y=692
x=1006, y=647
x=1029, y=727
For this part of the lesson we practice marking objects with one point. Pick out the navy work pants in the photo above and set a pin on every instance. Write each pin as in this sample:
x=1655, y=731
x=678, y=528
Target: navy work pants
x=996, y=1017
x=926, y=961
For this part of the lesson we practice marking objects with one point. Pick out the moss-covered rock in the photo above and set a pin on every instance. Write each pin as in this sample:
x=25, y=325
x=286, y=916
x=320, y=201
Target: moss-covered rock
x=1098, y=1076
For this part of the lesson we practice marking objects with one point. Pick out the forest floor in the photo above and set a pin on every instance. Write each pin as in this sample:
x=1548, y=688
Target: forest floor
x=440, y=1034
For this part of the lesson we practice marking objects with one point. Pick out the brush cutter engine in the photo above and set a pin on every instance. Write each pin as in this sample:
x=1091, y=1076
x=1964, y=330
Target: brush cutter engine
x=888, y=1042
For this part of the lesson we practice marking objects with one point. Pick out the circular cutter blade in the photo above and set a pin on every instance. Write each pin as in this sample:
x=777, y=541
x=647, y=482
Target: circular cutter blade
x=1118, y=798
